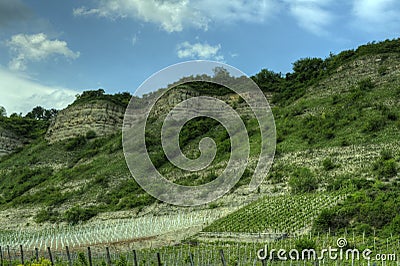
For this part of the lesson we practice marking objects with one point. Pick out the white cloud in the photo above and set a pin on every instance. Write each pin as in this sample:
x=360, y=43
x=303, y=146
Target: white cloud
x=34, y=48
x=199, y=51
x=20, y=94
x=312, y=15
x=134, y=40
x=373, y=15
x=175, y=15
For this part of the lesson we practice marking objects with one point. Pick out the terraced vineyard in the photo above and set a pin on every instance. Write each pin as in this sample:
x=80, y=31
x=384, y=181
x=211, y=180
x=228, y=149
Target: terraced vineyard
x=277, y=214
x=105, y=232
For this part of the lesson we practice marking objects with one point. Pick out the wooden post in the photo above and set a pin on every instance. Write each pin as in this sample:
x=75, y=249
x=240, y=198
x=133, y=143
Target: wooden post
x=159, y=259
x=221, y=252
x=37, y=254
x=9, y=255
x=50, y=256
x=191, y=259
x=68, y=256
x=89, y=253
x=108, y=256
x=134, y=258
x=1, y=256
x=22, y=254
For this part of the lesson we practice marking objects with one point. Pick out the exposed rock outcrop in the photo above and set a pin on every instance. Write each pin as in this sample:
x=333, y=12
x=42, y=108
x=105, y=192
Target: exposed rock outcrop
x=9, y=142
x=102, y=117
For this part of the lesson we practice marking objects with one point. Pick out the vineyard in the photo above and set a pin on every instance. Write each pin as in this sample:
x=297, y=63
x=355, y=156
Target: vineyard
x=223, y=253
x=105, y=232
x=279, y=214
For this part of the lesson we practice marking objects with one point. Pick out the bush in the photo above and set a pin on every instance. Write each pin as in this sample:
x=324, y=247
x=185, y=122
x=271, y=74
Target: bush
x=328, y=164
x=47, y=215
x=303, y=180
x=382, y=70
x=90, y=134
x=82, y=261
x=365, y=84
x=75, y=143
x=78, y=214
x=385, y=167
x=374, y=124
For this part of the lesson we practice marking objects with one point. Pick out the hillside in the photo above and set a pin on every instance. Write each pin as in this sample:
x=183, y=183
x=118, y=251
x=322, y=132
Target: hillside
x=337, y=123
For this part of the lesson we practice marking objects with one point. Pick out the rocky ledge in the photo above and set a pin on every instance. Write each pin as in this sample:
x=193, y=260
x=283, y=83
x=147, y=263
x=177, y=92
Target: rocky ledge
x=104, y=118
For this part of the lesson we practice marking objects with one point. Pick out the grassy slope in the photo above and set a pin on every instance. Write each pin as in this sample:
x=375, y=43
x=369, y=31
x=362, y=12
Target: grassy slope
x=345, y=131
x=337, y=116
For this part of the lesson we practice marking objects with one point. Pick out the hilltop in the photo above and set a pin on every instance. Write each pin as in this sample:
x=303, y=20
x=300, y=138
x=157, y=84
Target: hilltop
x=337, y=125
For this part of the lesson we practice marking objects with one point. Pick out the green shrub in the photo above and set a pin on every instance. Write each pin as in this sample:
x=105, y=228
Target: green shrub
x=303, y=180
x=328, y=164
x=122, y=261
x=76, y=143
x=78, y=214
x=91, y=134
x=386, y=166
x=365, y=84
x=374, y=124
x=82, y=261
x=382, y=70
x=47, y=215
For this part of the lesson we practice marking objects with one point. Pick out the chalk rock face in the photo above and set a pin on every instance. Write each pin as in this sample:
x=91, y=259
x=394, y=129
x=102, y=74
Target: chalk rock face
x=9, y=142
x=102, y=117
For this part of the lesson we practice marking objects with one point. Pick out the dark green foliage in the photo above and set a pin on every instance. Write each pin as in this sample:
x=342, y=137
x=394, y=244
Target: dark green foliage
x=40, y=113
x=268, y=81
x=90, y=134
x=47, y=215
x=24, y=127
x=78, y=214
x=305, y=243
x=303, y=180
x=386, y=166
x=82, y=261
x=382, y=70
x=307, y=69
x=121, y=99
x=328, y=164
x=122, y=261
x=376, y=207
x=3, y=111
x=76, y=143
x=374, y=124
x=365, y=84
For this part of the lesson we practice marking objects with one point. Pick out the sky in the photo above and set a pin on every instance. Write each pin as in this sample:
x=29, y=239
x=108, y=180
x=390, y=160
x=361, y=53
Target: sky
x=50, y=51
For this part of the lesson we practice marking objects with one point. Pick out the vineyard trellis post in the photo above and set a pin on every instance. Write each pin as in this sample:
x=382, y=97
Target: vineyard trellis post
x=191, y=259
x=37, y=254
x=159, y=259
x=221, y=252
x=9, y=255
x=135, y=263
x=50, y=256
x=108, y=256
x=68, y=256
x=22, y=254
x=89, y=256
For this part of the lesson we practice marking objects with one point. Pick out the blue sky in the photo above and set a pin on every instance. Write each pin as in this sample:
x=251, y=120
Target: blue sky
x=52, y=50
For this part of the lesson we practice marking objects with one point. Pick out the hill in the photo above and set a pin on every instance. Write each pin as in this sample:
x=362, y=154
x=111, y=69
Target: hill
x=337, y=122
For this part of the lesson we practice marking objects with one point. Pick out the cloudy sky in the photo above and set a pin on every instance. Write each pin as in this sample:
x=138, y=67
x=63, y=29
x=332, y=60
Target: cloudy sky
x=52, y=50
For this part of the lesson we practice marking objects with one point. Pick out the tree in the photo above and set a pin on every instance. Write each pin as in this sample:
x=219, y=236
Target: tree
x=40, y=113
x=3, y=111
x=37, y=113
x=268, y=80
x=307, y=69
